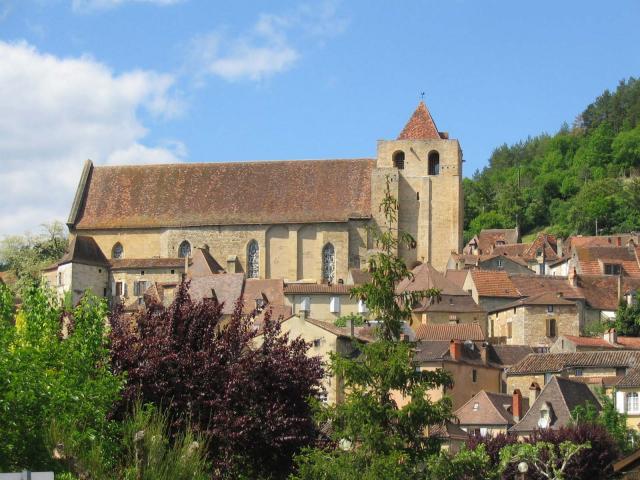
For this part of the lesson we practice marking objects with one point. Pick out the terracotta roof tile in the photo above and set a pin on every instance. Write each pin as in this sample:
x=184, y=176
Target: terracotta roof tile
x=545, y=298
x=317, y=288
x=622, y=343
x=557, y=362
x=450, y=304
x=227, y=288
x=488, y=239
x=123, y=263
x=591, y=260
x=461, y=331
x=601, y=291
x=255, y=288
x=488, y=408
x=457, y=277
x=420, y=126
x=631, y=379
x=426, y=277
x=494, y=284
x=530, y=285
x=602, y=240
x=192, y=194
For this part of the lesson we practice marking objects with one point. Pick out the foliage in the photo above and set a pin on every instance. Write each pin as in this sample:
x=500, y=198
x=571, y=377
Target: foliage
x=467, y=464
x=250, y=401
x=548, y=459
x=628, y=319
x=45, y=377
x=355, y=319
x=568, y=181
x=609, y=417
x=26, y=255
x=392, y=308
x=379, y=429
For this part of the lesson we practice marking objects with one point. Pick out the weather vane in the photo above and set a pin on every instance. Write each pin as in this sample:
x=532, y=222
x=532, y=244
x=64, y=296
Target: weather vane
x=422, y=96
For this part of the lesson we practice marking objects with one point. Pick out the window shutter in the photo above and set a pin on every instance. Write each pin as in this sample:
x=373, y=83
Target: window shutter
x=620, y=401
x=124, y=288
x=334, y=305
x=362, y=307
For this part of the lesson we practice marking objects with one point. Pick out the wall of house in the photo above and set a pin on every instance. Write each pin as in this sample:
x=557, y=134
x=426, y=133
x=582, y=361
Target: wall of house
x=130, y=276
x=488, y=378
x=523, y=382
x=460, y=317
x=504, y=264
x=320, y=306
x=88, y=277
x=529, y=324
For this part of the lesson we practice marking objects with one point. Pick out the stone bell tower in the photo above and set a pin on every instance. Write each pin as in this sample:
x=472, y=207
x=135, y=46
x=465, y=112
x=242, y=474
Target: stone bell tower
x=426, y=170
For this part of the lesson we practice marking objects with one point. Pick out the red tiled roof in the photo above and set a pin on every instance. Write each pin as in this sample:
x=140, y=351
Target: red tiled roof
x=622, y=343
x=512, y=250
x=556, y=362
x=602, y=240
x=194, y=194
x=420, y=126
x=530, y=285
x=545, y=298
x=544, y=242
x=601, y=291
x=591, y=260
x=494, y=284
x=461, y=331
x=122, y=263
x=488, y=408
x=254, y=288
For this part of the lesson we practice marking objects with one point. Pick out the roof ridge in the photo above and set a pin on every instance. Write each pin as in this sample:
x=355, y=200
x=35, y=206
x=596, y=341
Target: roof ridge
x=234, y=162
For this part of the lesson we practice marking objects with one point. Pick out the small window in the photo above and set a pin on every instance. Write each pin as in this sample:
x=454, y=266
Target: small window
x=119, y=289
x=509, y=329
x=184, y=250
x=434, y=163
x=612, y=269
x=476, y=406
x=549, y=308
x=499, y=262
x=305, y=304
x=621, y=371
x=398, y=160
x=334, y=305
x=579, y=372
x=139, y=288
x=117, y=251
x=99, y=270
x=317, y=342
x=514, y=310
x=551, y=328
x=172, y=272
x=474, y=375
x=141, y=272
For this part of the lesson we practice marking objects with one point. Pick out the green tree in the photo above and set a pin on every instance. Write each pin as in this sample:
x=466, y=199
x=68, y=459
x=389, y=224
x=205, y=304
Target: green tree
x=373, y=436
x=549, y=460
x=467, y=464
x=628, y=319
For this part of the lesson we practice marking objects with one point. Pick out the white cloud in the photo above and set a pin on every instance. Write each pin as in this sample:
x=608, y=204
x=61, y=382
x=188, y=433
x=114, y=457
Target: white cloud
x=57, y=112
x=93, y=5
x=266, y=48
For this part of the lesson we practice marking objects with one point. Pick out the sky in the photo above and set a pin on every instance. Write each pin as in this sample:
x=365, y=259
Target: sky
x=156, y=81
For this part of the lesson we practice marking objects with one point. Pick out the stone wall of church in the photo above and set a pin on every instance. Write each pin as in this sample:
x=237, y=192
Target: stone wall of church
x=292, y=252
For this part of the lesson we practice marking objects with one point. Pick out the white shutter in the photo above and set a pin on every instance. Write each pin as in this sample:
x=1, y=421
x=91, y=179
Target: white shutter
x=362, y=307
x=334, y=305
x=620, y=398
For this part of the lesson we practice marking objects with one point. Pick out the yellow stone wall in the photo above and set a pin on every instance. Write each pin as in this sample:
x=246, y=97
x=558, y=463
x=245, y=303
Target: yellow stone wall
x=130, y=276
x=320, y=306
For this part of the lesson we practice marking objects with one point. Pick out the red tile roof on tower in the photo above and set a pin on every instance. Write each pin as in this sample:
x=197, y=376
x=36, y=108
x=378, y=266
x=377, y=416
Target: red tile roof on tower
x=420, y=126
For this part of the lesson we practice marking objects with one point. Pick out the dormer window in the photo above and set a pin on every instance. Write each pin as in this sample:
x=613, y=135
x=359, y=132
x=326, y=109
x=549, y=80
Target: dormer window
x=398, y=160
x=545, y=416
x=476, y=406
x=612, y=269
x=117, y=251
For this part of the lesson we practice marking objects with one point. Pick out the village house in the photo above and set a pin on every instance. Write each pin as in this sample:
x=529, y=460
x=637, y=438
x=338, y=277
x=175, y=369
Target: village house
x=609, y=341
x=487, y=239
x=490, y=413
x=552, y=407
x=323, y=302
x=447, y=332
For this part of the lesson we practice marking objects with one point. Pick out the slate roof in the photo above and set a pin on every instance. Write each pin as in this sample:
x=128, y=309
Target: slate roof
x=591, y=259
x=420, y=126
x=195, y=194
x=84, y=250
x=563, y=395
x=557, y=362
x=492, y=409
x=227, y=288
x=450, y=304
x=491, y=283
x=459, y=331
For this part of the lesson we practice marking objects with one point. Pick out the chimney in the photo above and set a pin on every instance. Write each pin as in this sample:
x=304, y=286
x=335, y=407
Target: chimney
x=534, y=391
x=619, y=241
x=559, y=247
x=611, y=336
x=573, y=277
x=484, y=353
x=516, y=405
x=231, y=264
x=455, y=349
x=619, y=287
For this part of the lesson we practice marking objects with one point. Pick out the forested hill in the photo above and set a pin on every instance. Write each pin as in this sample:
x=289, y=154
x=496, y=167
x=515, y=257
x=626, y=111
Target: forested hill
x=564, y=183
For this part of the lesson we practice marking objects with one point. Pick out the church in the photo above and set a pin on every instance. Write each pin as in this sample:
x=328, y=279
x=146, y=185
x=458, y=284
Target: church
x=300, y=221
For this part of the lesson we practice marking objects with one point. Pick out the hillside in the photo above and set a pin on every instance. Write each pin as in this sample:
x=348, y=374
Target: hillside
x=585, y=174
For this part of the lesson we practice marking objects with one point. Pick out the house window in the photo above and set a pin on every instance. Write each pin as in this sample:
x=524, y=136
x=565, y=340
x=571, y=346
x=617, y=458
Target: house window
x=621, y=371
x=334, y=305
x=499, y=263
x=633, y=405
x=184, y=250
x=551, y=328
x=119, y=289
x=545, y=416
x=579, y=372
x=117, y=251
x=253, y=259
x=474, y=375
x=328, y=263
x=612, y=269
x=139, y=288
x=362, y=307
x=509, y=329
x=476, y=406
x=434, y=163
x=317, y=342
x=549, y=308
x=398, y=160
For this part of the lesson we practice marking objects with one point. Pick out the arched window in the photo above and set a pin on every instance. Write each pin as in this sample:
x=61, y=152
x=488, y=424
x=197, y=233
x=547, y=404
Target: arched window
x=328, y=263
x=398, y=160
x=434, y=163
x=117, y=251
x=184, y=250
x=253, y=259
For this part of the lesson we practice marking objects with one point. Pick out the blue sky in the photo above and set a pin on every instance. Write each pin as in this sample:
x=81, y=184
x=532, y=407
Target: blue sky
x=145, y=81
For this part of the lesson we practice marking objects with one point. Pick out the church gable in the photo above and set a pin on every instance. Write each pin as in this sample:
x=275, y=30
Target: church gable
x=189, y=194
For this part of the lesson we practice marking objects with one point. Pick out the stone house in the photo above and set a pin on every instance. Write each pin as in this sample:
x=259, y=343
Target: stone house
x=492, y=261
x=490, y=413
x=626, y=396
x=491, y=289
x=488, y=239
x=537, y=320
x=323, y=302
x=610, y=340
x=553, y=406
